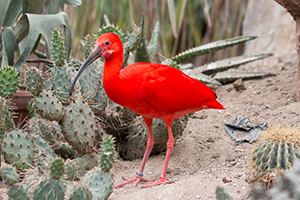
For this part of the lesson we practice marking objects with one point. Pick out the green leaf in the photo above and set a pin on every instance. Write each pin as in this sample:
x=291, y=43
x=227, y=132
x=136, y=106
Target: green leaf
x=9, y=47
x=225, y=64
x=210, y=47
x=44, y=25
x=3, y=8
x=11, y=12
x=231, y=76
x=53, y=6
x=201, y=77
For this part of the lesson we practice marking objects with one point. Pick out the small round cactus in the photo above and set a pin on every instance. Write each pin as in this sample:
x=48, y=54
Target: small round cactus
x=277, y=149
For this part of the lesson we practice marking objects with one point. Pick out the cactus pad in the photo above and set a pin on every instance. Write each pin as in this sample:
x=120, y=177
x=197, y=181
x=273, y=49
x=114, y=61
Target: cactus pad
x=70, y=169
x=9, y=81
x=18, y=148
x=79, y=125
x=61, y=80
x=57, y=168
x=34, y=81
x=87, y=47
x=48, y=105
x=81, y=193
x=9, y=174
x=18, y=192
x=48, y=130
x=58, y=50
x=277, y=149
x=6, y=121
x=49, y=189
x=98, y=182
x=107, y=153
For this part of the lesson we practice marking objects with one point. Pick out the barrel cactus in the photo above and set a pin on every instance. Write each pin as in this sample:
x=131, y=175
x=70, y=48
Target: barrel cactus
x=277, y=149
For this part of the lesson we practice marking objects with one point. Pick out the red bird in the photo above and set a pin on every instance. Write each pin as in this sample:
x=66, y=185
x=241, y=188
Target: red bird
x=150, y=90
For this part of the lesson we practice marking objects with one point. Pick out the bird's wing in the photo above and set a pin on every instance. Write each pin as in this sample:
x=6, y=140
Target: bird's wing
x=170, y=90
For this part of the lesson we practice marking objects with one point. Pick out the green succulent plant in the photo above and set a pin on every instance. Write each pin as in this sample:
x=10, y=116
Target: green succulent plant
x=277, y=149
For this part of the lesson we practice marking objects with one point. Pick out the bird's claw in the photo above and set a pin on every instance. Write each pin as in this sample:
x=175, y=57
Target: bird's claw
x=159, y=182
x=136, y=180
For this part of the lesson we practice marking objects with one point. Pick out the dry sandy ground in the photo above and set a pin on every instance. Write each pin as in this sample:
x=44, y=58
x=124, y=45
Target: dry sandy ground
x=205, y=154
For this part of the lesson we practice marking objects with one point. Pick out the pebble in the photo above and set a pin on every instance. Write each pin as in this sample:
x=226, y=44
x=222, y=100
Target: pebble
x=239, y=85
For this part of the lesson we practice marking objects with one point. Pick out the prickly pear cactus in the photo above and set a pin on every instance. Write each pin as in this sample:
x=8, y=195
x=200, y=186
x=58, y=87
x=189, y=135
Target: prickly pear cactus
x=61, y=80
x=43, y=152
x=48, y=106
x=48, y=130
x=18, y=149
x=58, y=50
x=87, y=47
x=57, y=168
x=9, y=174
x=277, y=149
x=65, y=150
x=222, y=194
x=6, y=121
x=9, y=81
x=79, y=125
x=70, y=169
x=34, y=81
x=107, y=153
x=50, y=189
x=98, y=182
x=90, y=81
x=18, y=192
x=81, y=192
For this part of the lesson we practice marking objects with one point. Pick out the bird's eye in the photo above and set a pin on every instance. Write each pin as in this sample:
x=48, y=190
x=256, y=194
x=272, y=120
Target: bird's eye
x=107, y=43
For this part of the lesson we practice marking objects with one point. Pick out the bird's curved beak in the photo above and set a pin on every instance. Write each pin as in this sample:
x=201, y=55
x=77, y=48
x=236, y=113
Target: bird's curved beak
x=96, y=53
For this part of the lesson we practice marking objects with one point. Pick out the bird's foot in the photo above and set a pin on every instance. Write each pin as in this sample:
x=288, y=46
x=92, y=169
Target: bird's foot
x=159, y=182
x=138, y=178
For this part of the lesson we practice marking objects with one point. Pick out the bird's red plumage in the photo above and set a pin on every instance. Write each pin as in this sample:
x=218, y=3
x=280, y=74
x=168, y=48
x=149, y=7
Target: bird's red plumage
x=151, y=90
x=162, y=89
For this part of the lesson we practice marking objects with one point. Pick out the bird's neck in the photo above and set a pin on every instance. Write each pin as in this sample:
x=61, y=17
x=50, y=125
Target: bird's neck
x=111, y=77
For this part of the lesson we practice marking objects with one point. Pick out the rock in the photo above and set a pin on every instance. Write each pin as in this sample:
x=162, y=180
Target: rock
x=274, y=27
x=239, y=85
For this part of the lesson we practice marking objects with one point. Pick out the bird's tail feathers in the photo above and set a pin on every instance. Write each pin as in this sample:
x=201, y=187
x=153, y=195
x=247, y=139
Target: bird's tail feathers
x=214, y=105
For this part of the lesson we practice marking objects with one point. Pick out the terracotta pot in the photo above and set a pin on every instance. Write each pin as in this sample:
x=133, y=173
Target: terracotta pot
x=20, y=102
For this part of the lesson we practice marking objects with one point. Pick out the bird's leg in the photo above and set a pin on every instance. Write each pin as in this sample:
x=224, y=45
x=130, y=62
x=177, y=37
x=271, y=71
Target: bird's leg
x=170, y=145
x=150, y=142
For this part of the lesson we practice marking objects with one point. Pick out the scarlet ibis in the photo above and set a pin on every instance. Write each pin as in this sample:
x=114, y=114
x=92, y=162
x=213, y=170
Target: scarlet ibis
x=150, y=90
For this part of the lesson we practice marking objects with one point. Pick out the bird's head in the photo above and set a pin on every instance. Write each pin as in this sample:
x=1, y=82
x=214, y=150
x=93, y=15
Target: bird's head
x=107, y=46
